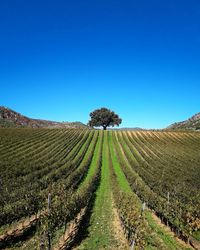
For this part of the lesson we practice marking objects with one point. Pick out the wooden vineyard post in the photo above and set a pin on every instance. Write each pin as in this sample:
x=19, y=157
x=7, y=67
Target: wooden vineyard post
x=167, y=197
x=132, y=245
x=49, y=203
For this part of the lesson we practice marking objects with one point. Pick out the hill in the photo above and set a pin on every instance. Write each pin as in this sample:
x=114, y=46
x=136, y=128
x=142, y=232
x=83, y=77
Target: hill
x=11, y=118
x=192, y=123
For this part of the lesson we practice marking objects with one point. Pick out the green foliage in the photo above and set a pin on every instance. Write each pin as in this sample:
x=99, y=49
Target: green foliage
x=105, y=118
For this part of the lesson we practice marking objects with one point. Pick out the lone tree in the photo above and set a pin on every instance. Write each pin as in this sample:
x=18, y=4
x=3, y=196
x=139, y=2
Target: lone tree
x=104, y=117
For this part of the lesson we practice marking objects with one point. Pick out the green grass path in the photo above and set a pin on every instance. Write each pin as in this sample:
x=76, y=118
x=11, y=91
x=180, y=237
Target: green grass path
x=100, y=230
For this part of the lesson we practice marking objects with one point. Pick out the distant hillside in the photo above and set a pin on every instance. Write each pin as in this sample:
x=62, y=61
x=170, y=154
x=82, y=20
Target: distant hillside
x=192, y=123
x=11, y=118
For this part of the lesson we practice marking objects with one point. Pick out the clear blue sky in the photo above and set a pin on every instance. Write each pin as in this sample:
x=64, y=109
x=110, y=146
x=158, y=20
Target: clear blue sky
x=59, y=60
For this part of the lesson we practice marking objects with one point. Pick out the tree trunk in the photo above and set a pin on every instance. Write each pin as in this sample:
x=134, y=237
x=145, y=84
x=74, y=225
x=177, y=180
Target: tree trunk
x=104, y=127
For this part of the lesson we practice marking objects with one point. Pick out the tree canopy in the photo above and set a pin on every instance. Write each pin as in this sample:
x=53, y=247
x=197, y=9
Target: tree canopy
x=104, y=117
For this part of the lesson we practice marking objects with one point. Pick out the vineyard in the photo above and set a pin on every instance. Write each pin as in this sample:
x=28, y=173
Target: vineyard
x=92, y=189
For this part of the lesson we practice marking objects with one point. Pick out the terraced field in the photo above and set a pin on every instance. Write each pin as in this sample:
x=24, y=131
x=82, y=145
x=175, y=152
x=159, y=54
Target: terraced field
x=89, y=189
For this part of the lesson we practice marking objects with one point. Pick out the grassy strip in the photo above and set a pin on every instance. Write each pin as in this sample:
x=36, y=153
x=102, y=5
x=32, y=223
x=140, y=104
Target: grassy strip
x=167, y=239
x=127, y=203
x=100, y=235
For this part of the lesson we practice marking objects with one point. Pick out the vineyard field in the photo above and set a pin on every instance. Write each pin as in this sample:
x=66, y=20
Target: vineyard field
x=92, y=189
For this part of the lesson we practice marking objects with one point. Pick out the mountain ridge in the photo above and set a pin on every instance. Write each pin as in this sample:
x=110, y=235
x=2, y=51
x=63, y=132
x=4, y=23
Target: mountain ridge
x=11, y=118
x=193, y=123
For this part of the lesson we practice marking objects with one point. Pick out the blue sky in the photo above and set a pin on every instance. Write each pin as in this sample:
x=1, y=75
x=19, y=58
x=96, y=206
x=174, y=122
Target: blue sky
x=61, y=59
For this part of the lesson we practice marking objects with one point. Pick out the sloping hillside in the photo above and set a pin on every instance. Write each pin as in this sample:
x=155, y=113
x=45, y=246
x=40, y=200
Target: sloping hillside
x=192, y=123
x=11, y=118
